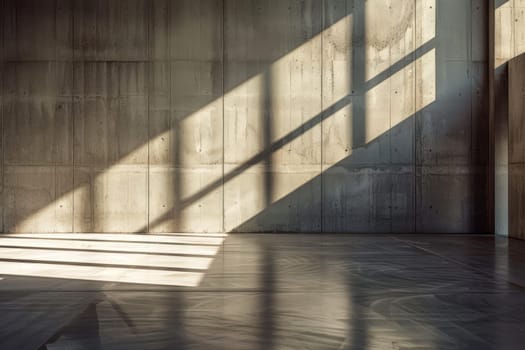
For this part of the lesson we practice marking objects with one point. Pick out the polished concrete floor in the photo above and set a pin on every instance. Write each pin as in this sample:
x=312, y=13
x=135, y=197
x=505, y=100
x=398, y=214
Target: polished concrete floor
x=261, y=292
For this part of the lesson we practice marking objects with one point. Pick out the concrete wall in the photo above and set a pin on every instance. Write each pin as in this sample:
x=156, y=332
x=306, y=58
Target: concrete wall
x=516, y=147
x=509, y=43
x=244, y=115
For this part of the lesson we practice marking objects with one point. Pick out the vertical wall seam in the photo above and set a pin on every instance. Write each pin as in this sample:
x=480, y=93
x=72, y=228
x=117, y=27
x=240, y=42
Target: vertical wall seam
x=415, y=125
x=3, y=96
x=491, y=170
x=223, y=45
x=2, y=107
x=323, y=3
x=148, y=93
x=513, y=29
x=106, y=95
x=73, y=114
x=383, y=171
x=170, y=127
x=470, y=68
x=57, y=101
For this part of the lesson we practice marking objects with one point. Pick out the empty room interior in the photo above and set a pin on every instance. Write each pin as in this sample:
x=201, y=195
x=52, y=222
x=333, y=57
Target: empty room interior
x=262, y=174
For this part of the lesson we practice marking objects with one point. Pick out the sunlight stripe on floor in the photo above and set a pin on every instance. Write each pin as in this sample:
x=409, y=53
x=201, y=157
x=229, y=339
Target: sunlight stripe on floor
x=102, y=274
x=175, y=238
x=83, y=257
x=156, y=248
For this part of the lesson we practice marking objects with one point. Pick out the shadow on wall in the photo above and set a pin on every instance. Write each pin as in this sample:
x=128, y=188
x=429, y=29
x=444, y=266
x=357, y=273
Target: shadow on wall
x=111, y=134
x=375, y=199
x=129, y=98
x=501, y=135
x=498, y=3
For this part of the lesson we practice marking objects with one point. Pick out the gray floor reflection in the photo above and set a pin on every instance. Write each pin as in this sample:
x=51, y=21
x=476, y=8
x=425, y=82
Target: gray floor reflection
x=290, y=292
x=82, y=333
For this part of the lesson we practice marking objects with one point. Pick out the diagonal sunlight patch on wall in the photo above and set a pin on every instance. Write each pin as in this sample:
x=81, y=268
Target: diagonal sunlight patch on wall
x=100, y=215
x=180, y=260
x=243, y=170
x=245, y=180
x=243, y=112
x=287, y=179
x=506, y=18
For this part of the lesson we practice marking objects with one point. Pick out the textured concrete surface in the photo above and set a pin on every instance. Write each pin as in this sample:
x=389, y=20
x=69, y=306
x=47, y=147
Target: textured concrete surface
x=509, y=43
x=235, y=115
x=516, y=147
